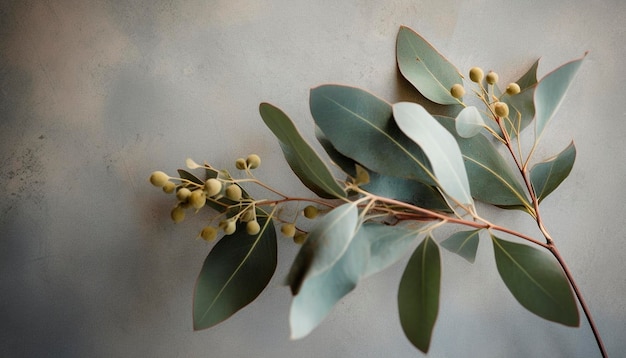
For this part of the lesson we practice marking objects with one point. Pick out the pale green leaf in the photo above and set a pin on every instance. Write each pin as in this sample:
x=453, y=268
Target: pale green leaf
x=536, y=281
x=463, y=243
x=529, y=78
x=439, y=145
x=326, y=244
x=425, y=68
x=469, y=122
x=321, y=292
x=302, y=159
x=418, y=294
x=234, y=273
x=388, y=244
x=548, y=175
x=550, y=92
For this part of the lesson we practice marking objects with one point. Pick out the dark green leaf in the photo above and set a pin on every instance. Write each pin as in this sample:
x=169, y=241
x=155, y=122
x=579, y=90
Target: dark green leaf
x=321, y=292
x=301, y=157
x=529, y=78
x=463, y=243
x=418, y=295
x=427, y=70
x=326, y=244
x=188, y=176
x=234, y=273
x=387, y=244
x=536, y=281
x=360, y=126
x=548, y=175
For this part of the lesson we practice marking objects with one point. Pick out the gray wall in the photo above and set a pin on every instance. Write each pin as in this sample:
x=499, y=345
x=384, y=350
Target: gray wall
x=94, y=95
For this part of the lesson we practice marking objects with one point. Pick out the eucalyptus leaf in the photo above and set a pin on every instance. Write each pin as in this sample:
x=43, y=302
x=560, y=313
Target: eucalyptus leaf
x=548, y=175
x=425, y=68
x=301, y=157
x=418, y=294
x=387, y=244
x=469, y=122
x=529, y=78
x=321, y=292
x=536, y=281
x=234, y=273
x=439, y=145
x=326, y=244
x=463, y=243
x=188, y=176
x=361, y=127
x=550, y=92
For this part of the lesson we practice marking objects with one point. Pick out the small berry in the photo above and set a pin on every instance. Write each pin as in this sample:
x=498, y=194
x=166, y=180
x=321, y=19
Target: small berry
x=300, y=238
x=253, y=227
x=197, y=199
x=178, y=214
x=289, y=230
x=501, y=109
x=212, y=187
x=247, y=215
x=233, y=192
x=208, y=233
x=492, y=77
x=457, y=91
x=159, y=179
x=476, y=74
x=183, y=194
x=512, y=89
x=169, y=187
x=253, y=161
x=230, y=226
x=241, y=164
x=310, y=212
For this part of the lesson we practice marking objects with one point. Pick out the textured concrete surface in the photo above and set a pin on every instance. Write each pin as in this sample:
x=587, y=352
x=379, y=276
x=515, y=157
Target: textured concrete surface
x=95, y=95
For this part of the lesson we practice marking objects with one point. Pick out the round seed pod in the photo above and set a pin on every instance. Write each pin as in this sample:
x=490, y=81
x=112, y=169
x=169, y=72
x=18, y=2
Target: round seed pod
x=476, y=74
x=501, y=109
x=492, y=78
x=299, y=238
x=208, y=233
x=169, y=187
x=178, y=214
x=159, y=179
x=247, y=216
x=513, y=89
x=289, y=230
x=240, y=164
x=253, y=227
x=183, y=194
x=310, y=212
x=457, y=91
x=253, y=161
x=230, y=227
x=212, y=187
x=233, y=192
x=197, y=199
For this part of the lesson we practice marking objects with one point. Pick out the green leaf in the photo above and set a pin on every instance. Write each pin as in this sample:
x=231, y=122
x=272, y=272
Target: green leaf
x=360, y=126
x=387, y=244
x=529, y=78
x=439, y=145
x=188, y=176
x=301, y=157
x=234, y=273
x=425, y=68
x=536, y=281
x=469, y=122
x=550, y=92
x=321, y=292
x=418, y=295
x=463, y=243
x=548, y=175
x=490, y=177
x=326, y=244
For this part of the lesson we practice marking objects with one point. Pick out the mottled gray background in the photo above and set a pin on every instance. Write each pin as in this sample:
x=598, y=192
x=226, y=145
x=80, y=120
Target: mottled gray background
x=95, y=95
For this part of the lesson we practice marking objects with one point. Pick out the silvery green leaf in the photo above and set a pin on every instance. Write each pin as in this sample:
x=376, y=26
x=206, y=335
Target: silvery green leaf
x=469, y=122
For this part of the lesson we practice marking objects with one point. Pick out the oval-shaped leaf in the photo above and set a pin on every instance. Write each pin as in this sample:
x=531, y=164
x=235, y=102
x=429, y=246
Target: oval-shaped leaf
x=463, y=243
x=302, y=159
x=418, y=294
x=550, y=92
x=326, y=244
x=439, y=145
x=536, y=281
x=387, y=244
x=425, y=68
x=548, y=175
x=469, y=122
x=360, y=126
x=234, y=273
x=321, y=292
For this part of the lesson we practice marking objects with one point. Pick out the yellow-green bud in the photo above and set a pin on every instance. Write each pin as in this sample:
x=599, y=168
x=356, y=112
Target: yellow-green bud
x=208, y=233
x=512, y=88
x=253, y=227
x=178, y=214
x=253, y=161
x=476, y=74
x=240, y=164
x=169, y=187
x=197, y=199
x=230, y=227
x=159, y=179
x=288, y=230
x=501, y=109
x=492, y=77
x=247, y=215
x=212, y=187
x=310, y=212
x=457, y=91
x=233, y=192
x=183, y=194
x=299, y=238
